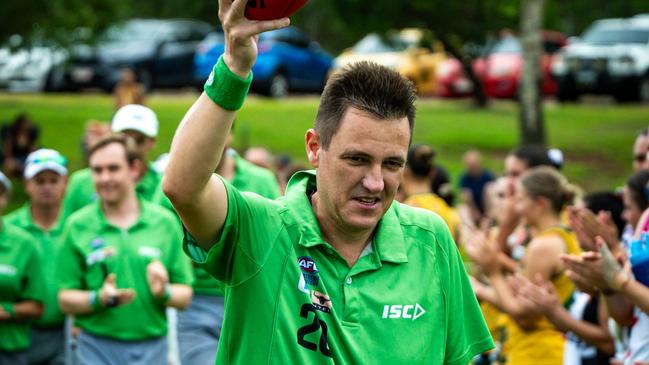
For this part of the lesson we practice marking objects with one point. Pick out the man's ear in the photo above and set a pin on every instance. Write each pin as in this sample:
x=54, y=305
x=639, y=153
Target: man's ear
x=313, y=147
x=136, y=169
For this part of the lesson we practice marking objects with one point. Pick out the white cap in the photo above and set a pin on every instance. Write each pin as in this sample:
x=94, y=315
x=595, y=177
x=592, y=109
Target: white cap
x=556, y=156
x=45, y=160
x=135, y=117
x=4, y=181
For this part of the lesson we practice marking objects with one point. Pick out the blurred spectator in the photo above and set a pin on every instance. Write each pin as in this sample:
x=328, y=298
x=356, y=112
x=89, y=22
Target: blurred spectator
x=94, y=130
x=120, y=265
x=416, y=186
x=640, y=151
x=287, y=173
x=128, y=90
x=472, y=182
x=18, y=140
x=45, y=182
x=541, y=195
x=141, y=124
x=260, y=157
x=441, y=182
x=22, y=287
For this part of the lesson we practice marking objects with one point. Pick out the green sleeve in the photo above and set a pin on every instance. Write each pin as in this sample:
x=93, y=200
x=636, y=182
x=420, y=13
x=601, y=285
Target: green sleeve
x=69, y=263
x=76, y=196
x=34, y=283
x=179, y=267
x=271, y=187
x=467, y=333
x=251, y=227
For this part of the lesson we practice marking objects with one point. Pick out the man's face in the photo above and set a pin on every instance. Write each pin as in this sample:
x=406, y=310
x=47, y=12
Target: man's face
x=47, y=188
x=113, y=177
x=144, y=144
x=358, y=175
x=640, y=149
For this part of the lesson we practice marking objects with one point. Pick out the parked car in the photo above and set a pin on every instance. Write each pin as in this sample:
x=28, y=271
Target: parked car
x=410, y=51
x=611, y=57
x=501, y=72
x=500, y=68
x=34, y=65
x=160, y=52
x=287, y=61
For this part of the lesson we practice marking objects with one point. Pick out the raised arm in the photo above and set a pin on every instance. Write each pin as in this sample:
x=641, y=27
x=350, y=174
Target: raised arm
x=199, y=197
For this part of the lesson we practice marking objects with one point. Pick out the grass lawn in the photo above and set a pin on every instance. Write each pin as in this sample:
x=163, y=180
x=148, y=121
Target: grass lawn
x=596, y=138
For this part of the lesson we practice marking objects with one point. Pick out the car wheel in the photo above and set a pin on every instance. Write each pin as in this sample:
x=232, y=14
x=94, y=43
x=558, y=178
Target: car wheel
x=566, y=92
x=55, y=80
x=278, y=87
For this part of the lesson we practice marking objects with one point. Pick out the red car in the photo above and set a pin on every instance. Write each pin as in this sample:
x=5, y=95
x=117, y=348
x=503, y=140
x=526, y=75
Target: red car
x=501, y=69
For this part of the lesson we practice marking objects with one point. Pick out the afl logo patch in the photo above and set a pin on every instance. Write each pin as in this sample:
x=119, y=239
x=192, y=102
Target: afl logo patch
x=97, y=243
x=307, y=265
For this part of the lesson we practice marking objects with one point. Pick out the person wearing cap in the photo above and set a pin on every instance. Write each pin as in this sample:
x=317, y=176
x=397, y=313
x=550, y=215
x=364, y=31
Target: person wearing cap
x=199, y=326
x=121, y=265
x=22, y=286
x=334, y=272
x=45, y=182
x=138, y=122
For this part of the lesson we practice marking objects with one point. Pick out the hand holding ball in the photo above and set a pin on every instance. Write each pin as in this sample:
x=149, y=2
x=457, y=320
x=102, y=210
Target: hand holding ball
x=272, y=9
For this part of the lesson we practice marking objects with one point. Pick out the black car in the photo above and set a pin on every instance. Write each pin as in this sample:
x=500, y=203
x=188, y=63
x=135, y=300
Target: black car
x=160, y=52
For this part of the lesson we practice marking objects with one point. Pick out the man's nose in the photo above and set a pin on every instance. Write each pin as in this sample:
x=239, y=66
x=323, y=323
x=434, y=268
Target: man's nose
x=373, y=180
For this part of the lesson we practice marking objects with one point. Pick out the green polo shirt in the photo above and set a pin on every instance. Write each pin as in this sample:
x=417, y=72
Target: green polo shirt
x=247, y=177
x=93, y=248
x=290, y=295
x=21, y=278
x=49, y=243
x=81, y=189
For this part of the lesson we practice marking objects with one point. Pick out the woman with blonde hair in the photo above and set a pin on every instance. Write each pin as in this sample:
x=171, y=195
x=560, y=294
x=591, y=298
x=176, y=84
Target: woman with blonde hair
x=541, y=195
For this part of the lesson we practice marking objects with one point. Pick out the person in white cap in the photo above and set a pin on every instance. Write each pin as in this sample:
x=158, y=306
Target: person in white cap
x=45, y=182
x=22, y=287
x=141, y=124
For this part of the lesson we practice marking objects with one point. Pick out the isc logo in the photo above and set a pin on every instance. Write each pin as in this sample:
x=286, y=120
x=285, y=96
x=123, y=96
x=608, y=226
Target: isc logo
x=403, y=311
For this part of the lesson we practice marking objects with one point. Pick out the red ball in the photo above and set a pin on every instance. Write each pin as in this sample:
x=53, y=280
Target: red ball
x=272, y=9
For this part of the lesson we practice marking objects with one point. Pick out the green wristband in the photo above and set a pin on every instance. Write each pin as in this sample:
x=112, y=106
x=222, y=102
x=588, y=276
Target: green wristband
x=226, y=89
x=95, y=300
x=9, y=308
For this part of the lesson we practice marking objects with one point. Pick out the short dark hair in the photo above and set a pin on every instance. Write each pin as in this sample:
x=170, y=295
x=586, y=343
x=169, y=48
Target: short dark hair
x=533, y=156
x=421, y=160
x=127, y=142
x=377, y=90
x=637, y=188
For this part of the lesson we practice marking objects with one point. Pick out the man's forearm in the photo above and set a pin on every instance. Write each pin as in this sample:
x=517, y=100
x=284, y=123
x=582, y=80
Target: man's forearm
x=23, y=310
x=75, y=301
x=196, y=150
x=181, y=296
x=638, y=294
x=619, y=308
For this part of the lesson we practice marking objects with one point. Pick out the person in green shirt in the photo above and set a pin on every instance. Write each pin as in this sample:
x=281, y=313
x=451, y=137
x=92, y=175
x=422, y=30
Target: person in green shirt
x=199, y=326
x=45, y=182
x=120, y=265
x=22, y=286
x=335, y=272
x=142, y=125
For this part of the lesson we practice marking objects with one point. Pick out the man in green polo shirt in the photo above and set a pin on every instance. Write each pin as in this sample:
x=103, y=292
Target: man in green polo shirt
x=45, y=181
x=336, y=271
x=120, y=265
x=141, y=124
x=22, y=286
x=199, y=326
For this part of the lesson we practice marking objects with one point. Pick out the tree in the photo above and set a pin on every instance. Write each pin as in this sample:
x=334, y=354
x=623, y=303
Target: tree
x=532, y=129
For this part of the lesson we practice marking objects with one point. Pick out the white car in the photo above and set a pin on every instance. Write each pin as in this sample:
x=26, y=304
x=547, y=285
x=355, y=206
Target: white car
x=612, y=57
x=34, y=69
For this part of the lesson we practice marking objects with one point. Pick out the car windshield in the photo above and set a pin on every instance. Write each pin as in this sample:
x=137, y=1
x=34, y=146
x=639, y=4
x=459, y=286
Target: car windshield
x=136, y=31
x=615, y=35
x=373, y=43
x=507, y=45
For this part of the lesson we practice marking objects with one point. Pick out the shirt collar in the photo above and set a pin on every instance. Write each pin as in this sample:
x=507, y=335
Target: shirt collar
x=298, y=215
x=25, y=219
x=143, y=219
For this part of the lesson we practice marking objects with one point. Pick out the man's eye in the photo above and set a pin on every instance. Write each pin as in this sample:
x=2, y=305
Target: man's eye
x=356, y=159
